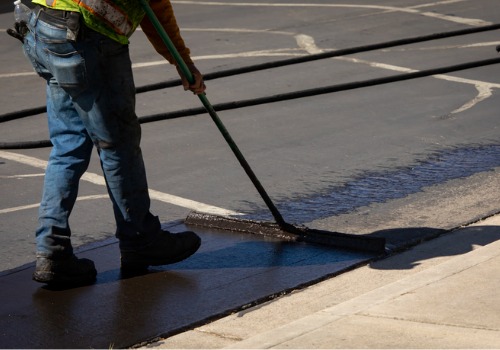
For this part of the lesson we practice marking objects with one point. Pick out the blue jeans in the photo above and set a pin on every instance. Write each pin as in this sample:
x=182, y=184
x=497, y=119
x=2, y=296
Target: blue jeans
x=90, y=101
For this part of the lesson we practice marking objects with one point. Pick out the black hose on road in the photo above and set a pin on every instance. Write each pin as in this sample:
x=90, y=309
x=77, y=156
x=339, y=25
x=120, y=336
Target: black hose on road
x=285, y=96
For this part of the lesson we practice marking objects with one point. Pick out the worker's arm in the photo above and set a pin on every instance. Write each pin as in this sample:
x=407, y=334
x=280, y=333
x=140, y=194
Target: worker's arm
x=165, y=14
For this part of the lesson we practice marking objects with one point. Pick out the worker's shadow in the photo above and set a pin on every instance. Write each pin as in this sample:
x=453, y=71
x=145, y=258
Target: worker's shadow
x=439, y=243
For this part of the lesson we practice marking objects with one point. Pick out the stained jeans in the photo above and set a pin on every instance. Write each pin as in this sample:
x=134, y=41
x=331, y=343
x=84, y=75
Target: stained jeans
x=90, y=101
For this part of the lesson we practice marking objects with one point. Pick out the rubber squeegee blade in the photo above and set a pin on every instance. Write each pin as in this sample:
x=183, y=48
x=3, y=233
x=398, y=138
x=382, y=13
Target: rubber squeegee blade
x=292, y=233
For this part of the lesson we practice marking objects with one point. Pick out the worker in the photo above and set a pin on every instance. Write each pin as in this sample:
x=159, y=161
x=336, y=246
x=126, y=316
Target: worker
x=81, y=49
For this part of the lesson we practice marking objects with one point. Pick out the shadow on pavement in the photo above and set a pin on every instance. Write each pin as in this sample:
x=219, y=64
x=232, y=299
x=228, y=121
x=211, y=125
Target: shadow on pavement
x=462, y=241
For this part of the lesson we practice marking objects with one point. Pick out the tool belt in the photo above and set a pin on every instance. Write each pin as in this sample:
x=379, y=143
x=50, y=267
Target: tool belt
x=69, y=20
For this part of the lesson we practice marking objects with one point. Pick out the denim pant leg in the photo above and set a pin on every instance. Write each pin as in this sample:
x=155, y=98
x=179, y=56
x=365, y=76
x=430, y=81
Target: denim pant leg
x=107, y=108
x=69, y=159
x=47, y=50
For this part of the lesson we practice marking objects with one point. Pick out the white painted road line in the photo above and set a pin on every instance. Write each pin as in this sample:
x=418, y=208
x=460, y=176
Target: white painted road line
x=484, y=88
x=412, y=10
x=21, y=176
x=31, y=206
x=99, y=180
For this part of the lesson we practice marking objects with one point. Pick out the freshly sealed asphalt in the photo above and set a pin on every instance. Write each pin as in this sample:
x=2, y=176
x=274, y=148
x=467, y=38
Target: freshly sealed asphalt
x=229, y=272
x=414, y=162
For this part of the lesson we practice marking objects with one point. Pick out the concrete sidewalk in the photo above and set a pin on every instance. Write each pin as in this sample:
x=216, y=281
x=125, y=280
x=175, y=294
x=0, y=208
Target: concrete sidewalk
x=443, y=293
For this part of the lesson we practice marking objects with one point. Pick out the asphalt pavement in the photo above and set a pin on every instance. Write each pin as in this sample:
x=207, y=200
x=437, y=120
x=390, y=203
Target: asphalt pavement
x=416, y=154
x=416, y=162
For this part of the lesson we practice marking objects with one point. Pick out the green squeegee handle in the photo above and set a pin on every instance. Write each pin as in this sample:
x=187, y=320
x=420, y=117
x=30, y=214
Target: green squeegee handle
x=208, y=106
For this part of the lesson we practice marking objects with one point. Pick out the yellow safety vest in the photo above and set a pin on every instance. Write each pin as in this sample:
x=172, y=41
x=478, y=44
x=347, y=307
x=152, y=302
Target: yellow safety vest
x=117, y=19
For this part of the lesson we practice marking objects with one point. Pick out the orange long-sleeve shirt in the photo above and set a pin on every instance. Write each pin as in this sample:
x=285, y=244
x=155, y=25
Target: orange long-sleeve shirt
x=165, y=14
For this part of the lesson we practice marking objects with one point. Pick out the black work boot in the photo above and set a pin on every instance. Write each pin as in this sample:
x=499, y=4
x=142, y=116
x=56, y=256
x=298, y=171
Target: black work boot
x=167, y=248
x=68, y=271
